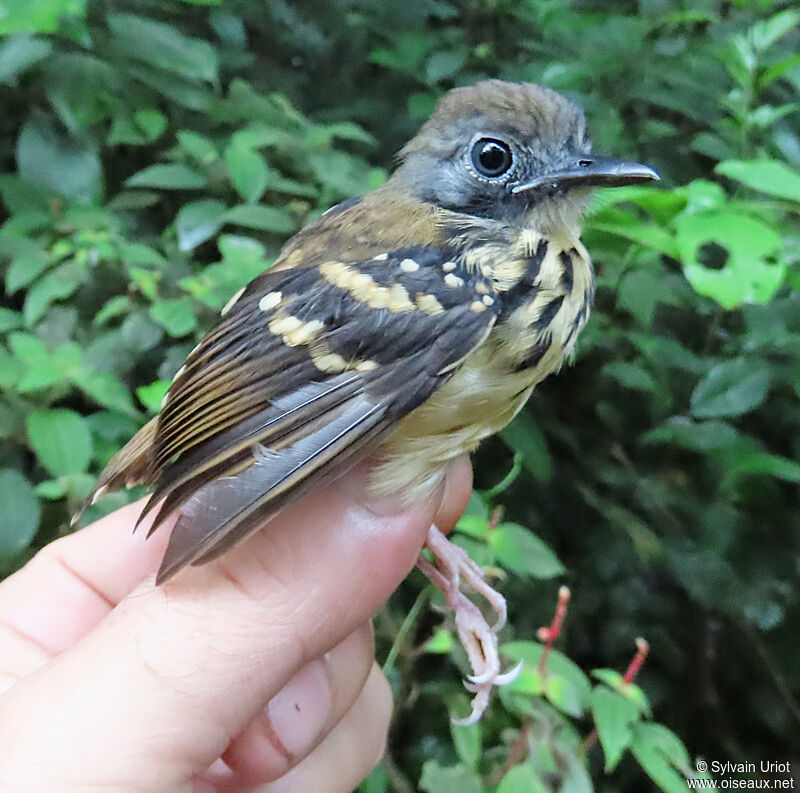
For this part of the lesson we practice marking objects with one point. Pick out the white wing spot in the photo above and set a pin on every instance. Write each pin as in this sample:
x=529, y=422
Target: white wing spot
x=366, y=366
x=409, y=266
x=330, y=363
x=429, y=304
x=448, y=267
x=381, y=257
x=269, y=301
x=453, y=280
x=488, y=300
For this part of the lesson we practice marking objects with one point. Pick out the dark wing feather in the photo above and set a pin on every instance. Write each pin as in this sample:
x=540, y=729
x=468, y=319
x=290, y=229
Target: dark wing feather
x=226, y=510
x=258, y=416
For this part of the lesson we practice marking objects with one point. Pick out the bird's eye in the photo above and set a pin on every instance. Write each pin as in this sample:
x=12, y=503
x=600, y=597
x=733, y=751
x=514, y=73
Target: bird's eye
x=491, y=157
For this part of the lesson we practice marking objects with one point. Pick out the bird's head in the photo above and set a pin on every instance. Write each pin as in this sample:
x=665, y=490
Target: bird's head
x=513, y=152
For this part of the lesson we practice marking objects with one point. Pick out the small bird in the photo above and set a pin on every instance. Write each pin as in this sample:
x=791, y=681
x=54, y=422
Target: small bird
x=406, y=325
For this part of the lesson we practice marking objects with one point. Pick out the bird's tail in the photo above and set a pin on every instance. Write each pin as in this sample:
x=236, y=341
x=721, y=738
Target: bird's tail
x=131, y=465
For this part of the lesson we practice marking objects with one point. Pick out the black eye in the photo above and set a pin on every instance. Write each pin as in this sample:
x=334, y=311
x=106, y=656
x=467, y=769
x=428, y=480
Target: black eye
x=491, y=157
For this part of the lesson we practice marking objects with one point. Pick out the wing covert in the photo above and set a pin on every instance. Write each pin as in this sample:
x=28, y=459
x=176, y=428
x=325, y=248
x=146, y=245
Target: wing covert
x=313, y=364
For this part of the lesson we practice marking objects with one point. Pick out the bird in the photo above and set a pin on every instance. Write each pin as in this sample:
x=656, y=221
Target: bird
x=405, y=326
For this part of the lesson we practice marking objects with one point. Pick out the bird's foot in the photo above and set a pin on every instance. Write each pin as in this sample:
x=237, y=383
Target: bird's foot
x=451, y=569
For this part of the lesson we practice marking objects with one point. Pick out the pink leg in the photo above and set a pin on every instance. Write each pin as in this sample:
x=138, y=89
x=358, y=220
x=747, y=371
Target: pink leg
x=452, y=567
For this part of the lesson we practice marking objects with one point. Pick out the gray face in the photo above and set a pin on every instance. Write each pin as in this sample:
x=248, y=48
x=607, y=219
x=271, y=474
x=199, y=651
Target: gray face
x=512, y=152
x=475, y=165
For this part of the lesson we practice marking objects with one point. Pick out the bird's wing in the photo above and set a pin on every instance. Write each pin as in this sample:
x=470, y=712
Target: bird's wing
x=304, y=375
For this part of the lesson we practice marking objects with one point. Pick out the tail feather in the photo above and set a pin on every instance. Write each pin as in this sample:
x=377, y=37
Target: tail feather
x=298, y=413
x=132, y=465
x=226, y=510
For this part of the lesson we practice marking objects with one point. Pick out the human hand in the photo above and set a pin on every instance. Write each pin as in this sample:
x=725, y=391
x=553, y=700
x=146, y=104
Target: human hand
x=255, y=671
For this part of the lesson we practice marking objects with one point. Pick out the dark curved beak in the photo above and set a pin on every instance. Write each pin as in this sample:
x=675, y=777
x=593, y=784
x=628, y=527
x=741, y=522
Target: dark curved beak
x=592, y=170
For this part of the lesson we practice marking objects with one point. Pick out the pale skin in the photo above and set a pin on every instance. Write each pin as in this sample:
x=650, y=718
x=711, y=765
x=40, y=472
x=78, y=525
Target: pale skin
x=255, y=672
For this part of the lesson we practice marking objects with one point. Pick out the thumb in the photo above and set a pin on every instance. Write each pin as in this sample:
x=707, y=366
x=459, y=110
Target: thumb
x=155, y=694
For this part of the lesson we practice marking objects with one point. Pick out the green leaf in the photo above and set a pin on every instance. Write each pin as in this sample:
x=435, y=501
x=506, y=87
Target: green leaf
x=747, y=275
x=255, y=216
x=441, y=643
x=9, y=320
x=175, y=316
x=164, y=46
x=660, y=752
x=648, y=235
x=138, y=253
x=522, y=551
x=106, y=390
x=778, y=69
x=18, y=53
x=376, y=782
x=731, y=388
x=629, y=691
x=172, y=176
x=198, y=146
x=557, y=664
x=631, y=375
x=768, y=176
x=613, y=715
x=151, y=121
x=528, y=681
x=576, y=779
x=759, y=462
x=474, y=526
x=26, y=266
x=37, y=16
x=121, y=304
x=524, y=436
x=61, y=439
x=68, y=166
x=248, y=171
x=563, y=695
x=444, y=64
x=19, y=517
x=198, y=221
x=52, y=489
x=766, y=32
x=639, y=293
x=467, y=741
x=700, y=436
x=454, y=779
x=521, y=779
x=152, y=395
x=56, y=285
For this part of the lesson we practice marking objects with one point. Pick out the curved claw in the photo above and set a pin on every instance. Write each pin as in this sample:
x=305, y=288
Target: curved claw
x=468, y=721
x=508, y=677
x=480, y=679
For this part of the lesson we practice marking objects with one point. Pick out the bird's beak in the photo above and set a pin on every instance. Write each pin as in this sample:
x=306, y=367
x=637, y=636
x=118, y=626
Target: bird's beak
x=592, y=170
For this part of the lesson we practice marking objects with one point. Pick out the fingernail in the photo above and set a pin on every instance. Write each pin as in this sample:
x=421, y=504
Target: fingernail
x=299, y=712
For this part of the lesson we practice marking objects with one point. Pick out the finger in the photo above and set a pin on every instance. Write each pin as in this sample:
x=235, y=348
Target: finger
x=457, y=490
x=71, y=584
x=178, y=671
x=303, y=712
x=351, y=751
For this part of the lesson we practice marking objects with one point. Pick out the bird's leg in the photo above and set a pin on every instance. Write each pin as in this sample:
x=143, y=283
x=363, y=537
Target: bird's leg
x=452, y=569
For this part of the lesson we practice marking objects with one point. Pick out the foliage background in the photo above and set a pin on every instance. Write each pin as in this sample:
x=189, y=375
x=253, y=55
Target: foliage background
x=155, y=155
